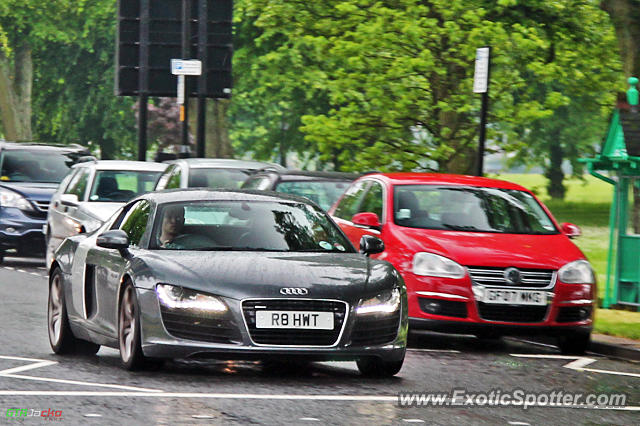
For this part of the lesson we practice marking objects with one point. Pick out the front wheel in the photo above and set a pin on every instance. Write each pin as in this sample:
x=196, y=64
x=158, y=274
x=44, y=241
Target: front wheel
x=574, y=343
x=129, y=331
x=61, y=337
x=378, y=367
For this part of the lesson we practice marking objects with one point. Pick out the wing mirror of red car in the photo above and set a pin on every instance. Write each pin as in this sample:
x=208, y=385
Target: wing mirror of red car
x=371, y=245
x=368, y=219
x=570, y=230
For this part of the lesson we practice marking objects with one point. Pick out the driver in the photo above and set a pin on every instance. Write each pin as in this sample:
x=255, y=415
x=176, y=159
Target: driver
x=171, y=232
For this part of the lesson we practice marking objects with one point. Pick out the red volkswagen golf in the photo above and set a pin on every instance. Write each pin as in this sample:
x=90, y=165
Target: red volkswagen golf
x=478, y=255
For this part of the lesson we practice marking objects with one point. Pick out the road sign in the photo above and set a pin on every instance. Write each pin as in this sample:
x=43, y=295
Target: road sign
x=186, y=67
x=481, y=75
x=181, y=89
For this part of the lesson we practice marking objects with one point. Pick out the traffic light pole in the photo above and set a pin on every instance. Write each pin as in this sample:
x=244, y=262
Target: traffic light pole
x=184, y=108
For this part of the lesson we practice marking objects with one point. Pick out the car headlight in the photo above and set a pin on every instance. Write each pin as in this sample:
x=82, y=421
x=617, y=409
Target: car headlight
x=10, y=198
x=577, y=272
x=176, y=297
x=433, y=265
x=386, y=302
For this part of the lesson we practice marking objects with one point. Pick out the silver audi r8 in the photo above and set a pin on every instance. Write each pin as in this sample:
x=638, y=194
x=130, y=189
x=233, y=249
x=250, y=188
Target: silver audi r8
x=226, y=274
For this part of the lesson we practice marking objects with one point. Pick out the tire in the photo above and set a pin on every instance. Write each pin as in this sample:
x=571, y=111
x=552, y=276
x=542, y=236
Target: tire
x=574, y=343
x=61, y=337
x=129, y=340
x=377, y=367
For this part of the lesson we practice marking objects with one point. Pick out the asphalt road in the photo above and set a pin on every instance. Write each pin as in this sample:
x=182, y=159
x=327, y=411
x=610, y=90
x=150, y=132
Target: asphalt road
x=95, y=390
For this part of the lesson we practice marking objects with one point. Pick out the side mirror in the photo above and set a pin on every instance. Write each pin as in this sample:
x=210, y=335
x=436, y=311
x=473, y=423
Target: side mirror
x=368, y=219
x=570, y=230
x=69, y=200
x=113, y=239
x=371, y=245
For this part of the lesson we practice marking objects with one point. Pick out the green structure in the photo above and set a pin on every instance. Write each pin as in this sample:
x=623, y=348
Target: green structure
x=620, y=158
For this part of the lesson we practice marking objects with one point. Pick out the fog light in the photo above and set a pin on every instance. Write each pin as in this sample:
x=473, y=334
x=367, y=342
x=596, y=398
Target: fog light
x=431, y=307
x=11, y=229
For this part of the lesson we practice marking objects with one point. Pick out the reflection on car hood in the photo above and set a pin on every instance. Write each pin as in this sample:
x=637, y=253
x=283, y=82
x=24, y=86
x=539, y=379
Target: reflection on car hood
x=492, y=249
x=101, y=211
x=242, y=275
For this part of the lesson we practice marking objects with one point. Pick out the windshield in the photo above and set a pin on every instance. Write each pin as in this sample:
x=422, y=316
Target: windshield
x=217, y=178
x=472, y=209
x=121, y=185
x=247, y=226
x=323, y=193
x=44, y=166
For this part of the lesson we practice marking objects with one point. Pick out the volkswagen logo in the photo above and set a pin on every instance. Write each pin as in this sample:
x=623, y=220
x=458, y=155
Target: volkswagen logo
x=512, y=276
x=294, y=291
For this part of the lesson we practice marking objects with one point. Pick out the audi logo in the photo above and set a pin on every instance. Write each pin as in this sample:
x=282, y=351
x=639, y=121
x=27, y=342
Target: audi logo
x=294, y=291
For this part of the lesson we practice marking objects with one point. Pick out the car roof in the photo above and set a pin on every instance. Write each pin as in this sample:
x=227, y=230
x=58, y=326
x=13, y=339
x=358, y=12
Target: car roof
x=208, y=194
x=443, y=179
x=40, y=146
x=299, y=175
x=225, y=163
x=124, y=165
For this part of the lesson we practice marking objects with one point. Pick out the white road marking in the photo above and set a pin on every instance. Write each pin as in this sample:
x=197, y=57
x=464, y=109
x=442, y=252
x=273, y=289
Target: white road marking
x=21, y=270
x=309, y=419
x=452, y=351
x=39, y=363
x=413, y=421
x=578, y=364
x=519, y=424
x=286, y=397
x=201, y=416
x=92, y=415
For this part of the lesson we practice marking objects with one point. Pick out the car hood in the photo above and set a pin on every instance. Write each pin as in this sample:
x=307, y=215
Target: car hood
x=492, y=249
x=241, y=275
x=100, y=211
x=36, y=191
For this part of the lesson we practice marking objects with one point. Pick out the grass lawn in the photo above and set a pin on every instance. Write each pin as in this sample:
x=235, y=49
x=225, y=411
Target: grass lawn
x=587, y=205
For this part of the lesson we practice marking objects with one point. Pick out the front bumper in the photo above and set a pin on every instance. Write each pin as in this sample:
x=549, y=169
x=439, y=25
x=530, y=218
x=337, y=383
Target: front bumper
x=22, y=232
x=569, y=307
x=158, y=342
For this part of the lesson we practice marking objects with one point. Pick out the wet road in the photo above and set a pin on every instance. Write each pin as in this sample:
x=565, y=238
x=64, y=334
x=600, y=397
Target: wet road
x=96, y=390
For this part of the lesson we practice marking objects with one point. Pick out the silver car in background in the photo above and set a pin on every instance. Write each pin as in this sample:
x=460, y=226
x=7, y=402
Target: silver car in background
x=210, y=173
x=91, y=193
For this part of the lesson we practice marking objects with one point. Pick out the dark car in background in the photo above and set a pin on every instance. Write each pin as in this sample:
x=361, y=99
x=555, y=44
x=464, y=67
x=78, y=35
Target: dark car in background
x=324, y=188
x=210, y=173
x=29, y=175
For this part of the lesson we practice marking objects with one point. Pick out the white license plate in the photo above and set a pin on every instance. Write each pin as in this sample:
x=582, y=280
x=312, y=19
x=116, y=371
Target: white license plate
x=295, y=319
x=514, y=297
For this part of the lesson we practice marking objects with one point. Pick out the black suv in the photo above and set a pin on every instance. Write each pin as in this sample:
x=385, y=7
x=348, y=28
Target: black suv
x=29, y=175
x=324, y=188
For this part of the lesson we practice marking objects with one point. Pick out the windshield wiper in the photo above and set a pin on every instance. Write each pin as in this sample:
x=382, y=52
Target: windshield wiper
x=460, y=227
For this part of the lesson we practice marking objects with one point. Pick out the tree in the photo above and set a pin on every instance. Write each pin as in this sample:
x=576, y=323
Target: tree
x=397, y=75
x=27, y=26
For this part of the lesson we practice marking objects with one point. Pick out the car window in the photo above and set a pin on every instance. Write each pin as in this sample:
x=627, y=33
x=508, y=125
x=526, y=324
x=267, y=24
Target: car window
x=121, y=185
x=351, y=200
x=323, y=193
x=258, y=226
x=217, y=178
x=372, y=201
x=473, y=209
x=35, y=166
x=78, y=184
x=65, y=182
x=173, y=178
x=261, y=183
x=135, y=222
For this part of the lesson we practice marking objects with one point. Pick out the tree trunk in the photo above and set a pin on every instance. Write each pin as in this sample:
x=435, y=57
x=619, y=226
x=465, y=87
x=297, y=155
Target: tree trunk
x=554, y=173
x=16, y=80
x=218, y=144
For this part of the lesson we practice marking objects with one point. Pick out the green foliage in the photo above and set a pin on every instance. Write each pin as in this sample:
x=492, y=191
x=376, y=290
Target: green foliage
x=73, y=97
x=396, y=76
